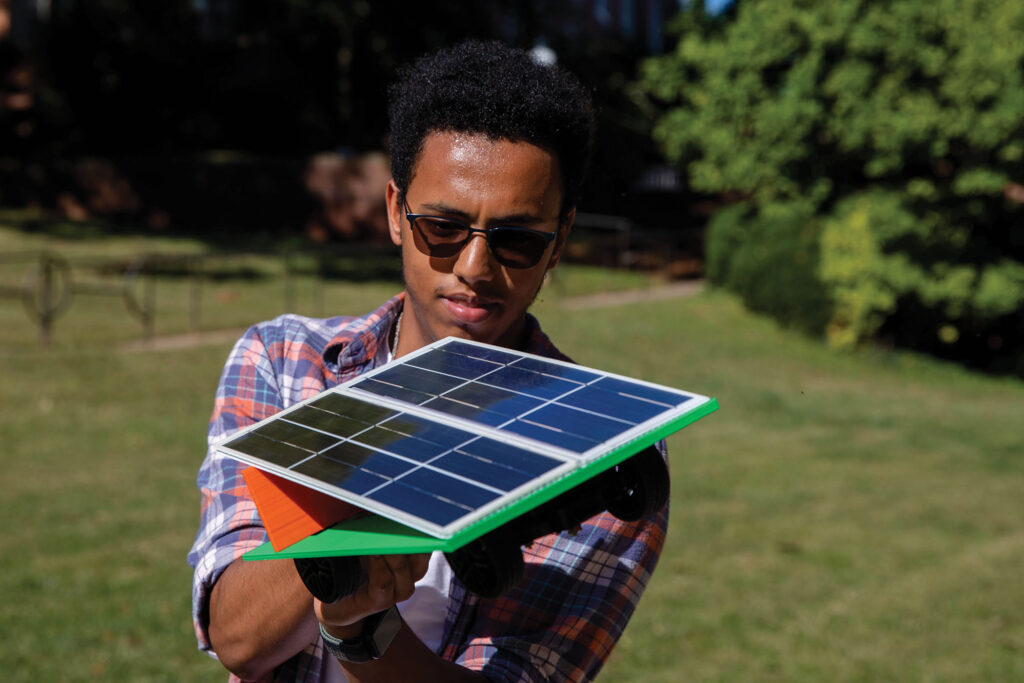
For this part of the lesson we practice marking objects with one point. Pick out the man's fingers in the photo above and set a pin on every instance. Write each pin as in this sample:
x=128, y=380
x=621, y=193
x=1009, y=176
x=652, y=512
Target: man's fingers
x=406, y=570
x=419, y=564
x=390, y=579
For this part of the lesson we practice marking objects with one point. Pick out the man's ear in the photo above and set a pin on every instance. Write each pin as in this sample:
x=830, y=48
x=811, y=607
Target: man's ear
x=396, y=212
x=562, y=237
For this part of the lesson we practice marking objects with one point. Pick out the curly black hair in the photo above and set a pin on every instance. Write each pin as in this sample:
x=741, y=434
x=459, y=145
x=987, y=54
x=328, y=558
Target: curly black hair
x=497, y=91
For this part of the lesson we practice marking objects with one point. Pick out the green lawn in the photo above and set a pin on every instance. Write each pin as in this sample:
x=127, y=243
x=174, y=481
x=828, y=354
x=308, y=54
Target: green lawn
x=841, y=518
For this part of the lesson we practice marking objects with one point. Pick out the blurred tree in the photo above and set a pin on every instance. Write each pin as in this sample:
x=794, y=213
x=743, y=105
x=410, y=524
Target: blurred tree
x=193, y=101
x=885, y=142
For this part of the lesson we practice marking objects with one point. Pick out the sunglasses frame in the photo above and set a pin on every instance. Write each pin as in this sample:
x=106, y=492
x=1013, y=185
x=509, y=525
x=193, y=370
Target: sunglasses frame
x=488, y=234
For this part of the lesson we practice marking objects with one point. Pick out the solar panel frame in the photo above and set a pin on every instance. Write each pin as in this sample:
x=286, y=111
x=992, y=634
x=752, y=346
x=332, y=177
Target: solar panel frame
x=576, y=466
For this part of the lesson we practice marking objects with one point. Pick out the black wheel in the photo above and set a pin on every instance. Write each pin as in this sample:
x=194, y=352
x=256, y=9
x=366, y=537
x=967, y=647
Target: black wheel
x=330, y=579
x=488, y=566
x=639, y=486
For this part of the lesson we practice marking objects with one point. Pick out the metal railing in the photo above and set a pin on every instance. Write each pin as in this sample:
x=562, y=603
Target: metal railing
x=52, y=283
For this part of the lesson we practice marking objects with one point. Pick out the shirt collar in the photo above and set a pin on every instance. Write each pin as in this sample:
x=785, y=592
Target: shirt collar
x=361, y=343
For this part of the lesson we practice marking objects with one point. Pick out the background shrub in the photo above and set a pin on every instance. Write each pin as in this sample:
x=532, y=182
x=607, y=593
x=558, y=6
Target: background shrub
x=896, y=131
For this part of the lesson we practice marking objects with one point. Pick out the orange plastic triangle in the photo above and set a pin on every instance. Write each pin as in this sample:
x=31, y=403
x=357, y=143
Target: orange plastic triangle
x=291, y=511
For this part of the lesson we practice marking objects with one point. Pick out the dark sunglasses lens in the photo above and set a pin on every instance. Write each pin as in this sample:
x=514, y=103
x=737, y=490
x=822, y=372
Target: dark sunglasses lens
x=517, y=248
x=438, y=238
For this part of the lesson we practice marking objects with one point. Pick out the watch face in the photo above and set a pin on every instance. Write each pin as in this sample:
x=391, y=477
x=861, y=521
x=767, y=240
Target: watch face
x=386, y=631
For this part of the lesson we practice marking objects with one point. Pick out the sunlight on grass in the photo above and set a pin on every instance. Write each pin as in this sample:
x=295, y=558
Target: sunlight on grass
x=841, y=518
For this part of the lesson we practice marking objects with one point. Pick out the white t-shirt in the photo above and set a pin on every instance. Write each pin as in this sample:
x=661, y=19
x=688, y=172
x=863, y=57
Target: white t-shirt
x=424, y=612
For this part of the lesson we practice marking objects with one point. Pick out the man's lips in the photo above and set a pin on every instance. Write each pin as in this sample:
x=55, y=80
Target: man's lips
x=469, y=310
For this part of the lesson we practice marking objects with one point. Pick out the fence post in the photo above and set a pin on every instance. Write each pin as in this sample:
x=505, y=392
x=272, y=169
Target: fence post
x=46, y=293
x=195, y=301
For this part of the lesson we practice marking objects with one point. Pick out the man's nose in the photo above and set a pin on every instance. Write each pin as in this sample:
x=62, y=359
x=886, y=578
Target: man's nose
x=475, y=261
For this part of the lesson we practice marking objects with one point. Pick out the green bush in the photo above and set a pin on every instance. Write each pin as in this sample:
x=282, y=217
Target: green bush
x=895, y=128
x=770, y=257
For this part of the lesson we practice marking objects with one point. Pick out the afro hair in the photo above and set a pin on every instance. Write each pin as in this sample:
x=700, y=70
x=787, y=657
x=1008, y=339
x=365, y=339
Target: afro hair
x=501, y=92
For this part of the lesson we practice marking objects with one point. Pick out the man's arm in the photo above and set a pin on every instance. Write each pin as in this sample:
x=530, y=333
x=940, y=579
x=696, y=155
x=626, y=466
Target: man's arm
x=252, y=615
x=260, y=616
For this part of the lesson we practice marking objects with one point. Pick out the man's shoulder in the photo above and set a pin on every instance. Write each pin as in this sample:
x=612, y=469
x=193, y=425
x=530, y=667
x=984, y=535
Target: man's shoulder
x=291, y=335
x=538, y=343
x=292, y=331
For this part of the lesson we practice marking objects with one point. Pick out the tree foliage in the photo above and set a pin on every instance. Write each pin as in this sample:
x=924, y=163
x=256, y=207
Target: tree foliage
x=898, y=124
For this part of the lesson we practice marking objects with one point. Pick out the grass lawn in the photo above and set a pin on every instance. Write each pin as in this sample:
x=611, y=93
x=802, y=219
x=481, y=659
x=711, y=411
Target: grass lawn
x=841, y=518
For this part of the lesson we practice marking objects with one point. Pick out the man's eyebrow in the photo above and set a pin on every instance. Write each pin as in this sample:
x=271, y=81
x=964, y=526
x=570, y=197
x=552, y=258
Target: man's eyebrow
x=442, y=209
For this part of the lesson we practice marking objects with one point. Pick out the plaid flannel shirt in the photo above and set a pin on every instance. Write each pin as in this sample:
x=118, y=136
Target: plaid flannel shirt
x=559, y=623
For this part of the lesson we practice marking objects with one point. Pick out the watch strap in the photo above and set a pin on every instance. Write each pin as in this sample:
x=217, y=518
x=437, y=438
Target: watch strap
x=379, y=629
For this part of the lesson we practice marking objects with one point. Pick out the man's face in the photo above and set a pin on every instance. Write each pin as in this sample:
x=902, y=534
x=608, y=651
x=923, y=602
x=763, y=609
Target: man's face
x=483, y=183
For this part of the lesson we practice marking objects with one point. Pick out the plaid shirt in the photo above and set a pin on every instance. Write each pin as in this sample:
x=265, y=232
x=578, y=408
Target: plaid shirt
x=559, y=623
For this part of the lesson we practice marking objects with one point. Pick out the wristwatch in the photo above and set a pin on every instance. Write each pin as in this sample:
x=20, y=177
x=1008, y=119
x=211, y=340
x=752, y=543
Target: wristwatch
x=378, y=631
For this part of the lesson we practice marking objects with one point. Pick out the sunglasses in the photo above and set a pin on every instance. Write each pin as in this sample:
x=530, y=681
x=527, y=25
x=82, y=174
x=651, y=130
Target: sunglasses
x=512, y=246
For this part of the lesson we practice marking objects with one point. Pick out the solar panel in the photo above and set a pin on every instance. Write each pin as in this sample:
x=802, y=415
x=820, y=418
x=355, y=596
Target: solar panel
x=461, y=432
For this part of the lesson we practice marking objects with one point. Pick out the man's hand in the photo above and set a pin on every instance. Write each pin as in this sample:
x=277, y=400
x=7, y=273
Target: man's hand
x=390, y=580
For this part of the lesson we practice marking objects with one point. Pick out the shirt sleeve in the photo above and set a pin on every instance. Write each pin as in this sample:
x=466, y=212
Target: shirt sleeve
x=229, y=524
x=578, y=593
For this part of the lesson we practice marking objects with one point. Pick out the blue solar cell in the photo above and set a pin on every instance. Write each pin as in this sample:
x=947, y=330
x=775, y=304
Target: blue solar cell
x=494, y=399
x=361, y=482
x=267, y=449
x=351, y=479
x=395, y=442
x=396, y=392
x=296, y=435
x=616, y=405
x=473, y=351
x=379, y=463
x=454, y=490
x=442, y=435
x=531, y=383
x=577, y=422
x=417, y=503
x=325, y=469
x=483, y=471
x=466, y=411
x=563, y=371
x=353, y=409
x=615, y=385
x=528, y=462
x=350, y=453
x=326, y=421
x=555, y=438
x=425, y=381
x=454, y=364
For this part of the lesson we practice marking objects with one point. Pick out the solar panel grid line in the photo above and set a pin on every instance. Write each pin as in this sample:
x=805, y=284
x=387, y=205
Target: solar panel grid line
x=503, y=427
x=502, y=432
x=545, y=402
x=464, y=424
x=414, y=463
x=450, y=345
x=525, y=415
x=530, y=365
x=535, y=363
x=354, y=438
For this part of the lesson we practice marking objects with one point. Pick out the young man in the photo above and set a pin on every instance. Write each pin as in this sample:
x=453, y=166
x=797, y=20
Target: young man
x=488, y=150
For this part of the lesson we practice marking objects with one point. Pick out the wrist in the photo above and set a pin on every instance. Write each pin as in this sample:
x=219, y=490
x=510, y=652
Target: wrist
x=370, y=642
